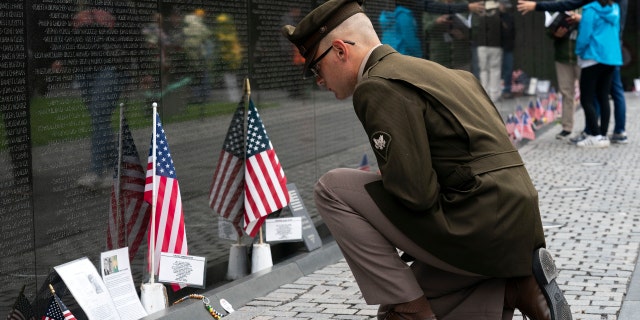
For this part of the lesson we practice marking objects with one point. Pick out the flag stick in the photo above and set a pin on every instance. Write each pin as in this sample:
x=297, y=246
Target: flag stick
x=247, y=87
x=153, y=295
x=53, y=291
x=117, y=183
x=153, y=195
x=247, y=96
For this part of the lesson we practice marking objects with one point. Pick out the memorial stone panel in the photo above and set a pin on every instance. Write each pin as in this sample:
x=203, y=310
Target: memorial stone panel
x=86, y=58
x=16, y=220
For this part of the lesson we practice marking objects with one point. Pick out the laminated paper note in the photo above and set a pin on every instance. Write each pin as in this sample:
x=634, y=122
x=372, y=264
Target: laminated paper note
x=116, y=274
x=88, y=289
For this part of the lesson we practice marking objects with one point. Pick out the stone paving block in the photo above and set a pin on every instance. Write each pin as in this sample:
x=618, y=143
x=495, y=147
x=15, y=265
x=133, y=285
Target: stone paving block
x=339, y=310
x=280, y=314
x=315, y=316
x=261, y=303
x=307, y=309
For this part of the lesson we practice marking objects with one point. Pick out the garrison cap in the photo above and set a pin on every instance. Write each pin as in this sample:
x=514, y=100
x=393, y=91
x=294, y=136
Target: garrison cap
x=317, y=24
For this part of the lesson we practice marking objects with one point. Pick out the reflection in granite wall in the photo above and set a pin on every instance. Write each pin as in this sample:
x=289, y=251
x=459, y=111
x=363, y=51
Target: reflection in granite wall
x=16, y=210
x=71, y=68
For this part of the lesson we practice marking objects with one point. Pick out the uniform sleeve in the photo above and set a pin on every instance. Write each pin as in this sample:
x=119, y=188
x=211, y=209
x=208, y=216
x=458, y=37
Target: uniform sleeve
x=393, y=118
x=432, y=6
x=565, y=5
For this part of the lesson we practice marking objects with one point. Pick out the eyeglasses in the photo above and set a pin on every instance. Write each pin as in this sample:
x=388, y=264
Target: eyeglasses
x=313, y=66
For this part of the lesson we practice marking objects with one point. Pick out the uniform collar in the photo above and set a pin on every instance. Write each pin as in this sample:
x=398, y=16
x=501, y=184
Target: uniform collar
x=376, y=54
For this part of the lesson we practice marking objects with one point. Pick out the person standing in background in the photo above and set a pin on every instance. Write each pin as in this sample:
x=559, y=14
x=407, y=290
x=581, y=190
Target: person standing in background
x=448, y=37
x=567, y=71
x=486, y=35
x=100, y=85
x=598, y=50
x=400, y=29
x=446, y=7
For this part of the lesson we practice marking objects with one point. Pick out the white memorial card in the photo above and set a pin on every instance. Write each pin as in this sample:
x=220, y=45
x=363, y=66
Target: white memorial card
x=88, y=289
x=116, y=274
x=183, y=269
x=284, y=229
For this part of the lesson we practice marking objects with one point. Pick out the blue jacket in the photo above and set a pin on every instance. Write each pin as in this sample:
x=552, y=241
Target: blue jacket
x=400, y=31
x=599, y=34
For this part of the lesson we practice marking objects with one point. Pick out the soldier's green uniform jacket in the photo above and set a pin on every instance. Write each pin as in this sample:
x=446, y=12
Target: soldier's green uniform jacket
x=451, y=178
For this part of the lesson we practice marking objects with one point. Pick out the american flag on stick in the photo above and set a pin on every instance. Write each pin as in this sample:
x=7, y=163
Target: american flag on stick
x=57, y=310
x=22, y=309
x=258, y=191
x=129, y=213
x=226, y=195
x=162, y=191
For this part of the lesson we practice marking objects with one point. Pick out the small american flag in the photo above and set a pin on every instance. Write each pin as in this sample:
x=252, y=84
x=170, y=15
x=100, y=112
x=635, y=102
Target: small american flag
x=170, y=235
x=263, y=182
x=57, y=310
x=134, y=212
x=364, y=163
x=22, y=309
x=226, y=192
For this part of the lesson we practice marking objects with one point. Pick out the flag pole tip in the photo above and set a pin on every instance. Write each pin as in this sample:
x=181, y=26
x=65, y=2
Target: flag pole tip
x=247, y=86
x=53, y=291
x=155, y=104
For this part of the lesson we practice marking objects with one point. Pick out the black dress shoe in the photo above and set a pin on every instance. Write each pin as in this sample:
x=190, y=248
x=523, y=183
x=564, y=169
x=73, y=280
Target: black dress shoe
x=545, y=272
x=538, y=296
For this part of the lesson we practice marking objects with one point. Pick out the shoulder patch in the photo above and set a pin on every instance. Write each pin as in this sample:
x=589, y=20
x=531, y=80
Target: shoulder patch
x=381, y=141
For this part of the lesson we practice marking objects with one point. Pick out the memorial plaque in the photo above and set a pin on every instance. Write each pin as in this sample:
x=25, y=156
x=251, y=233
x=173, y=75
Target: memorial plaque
x=310, y=235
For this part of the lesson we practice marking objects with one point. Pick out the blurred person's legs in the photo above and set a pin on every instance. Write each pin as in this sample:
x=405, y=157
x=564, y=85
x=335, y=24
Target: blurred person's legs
x=595, y=83
x=490, y=63
x=475, y=69
x=619, y=108
x=603, y=88
x=507, y=73
x=101, y=92
x=567, y=74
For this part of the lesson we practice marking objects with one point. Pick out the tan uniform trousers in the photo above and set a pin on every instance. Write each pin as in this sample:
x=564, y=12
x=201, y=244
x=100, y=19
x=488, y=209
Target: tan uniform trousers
x=368, y=242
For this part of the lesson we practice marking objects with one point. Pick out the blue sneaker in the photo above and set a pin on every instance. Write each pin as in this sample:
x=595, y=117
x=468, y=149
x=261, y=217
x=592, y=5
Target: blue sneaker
x=619, y=138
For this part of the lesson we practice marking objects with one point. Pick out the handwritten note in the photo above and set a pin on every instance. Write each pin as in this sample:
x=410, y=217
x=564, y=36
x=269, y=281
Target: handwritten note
x=183, y=269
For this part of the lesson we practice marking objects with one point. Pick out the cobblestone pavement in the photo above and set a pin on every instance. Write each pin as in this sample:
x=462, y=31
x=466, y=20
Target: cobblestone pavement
x=589, y=200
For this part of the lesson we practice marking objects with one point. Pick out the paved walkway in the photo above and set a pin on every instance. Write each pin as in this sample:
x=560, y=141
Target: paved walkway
x=590, y=203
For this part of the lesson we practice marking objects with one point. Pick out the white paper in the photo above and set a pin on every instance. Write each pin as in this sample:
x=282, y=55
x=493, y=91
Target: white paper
x=88, y=289
x=543, y=86
x=183, y=269
x=490, y=5
x=284, y=229
x=549, y=17
x=465, y=20
x=116, y=273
